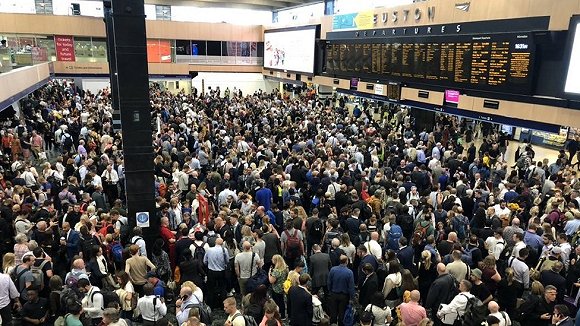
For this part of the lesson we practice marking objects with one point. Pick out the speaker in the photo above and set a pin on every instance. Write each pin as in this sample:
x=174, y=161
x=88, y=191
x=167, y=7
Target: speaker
x=76, y=9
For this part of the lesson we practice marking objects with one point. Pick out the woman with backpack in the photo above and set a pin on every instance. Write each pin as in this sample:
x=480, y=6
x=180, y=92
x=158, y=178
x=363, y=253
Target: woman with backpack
x=392, y=290
x=160, y=258
x=127, y=295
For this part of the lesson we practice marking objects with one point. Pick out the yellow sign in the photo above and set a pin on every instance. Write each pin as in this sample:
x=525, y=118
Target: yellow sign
x=365, y=20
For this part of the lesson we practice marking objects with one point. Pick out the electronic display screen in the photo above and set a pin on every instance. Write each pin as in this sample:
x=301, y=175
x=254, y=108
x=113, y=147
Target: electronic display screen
x=572, y=84
x=290, y=50
x=499, y=62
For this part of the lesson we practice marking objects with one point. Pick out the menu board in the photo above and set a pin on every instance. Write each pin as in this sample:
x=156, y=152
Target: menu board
x=500, y=62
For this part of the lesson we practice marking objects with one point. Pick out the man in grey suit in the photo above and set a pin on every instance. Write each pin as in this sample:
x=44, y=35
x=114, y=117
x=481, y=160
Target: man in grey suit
x=320, y=265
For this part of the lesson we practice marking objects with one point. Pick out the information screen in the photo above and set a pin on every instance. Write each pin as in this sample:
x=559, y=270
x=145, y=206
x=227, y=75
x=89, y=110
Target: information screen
x=501, y=62
x=291, y=50
x=572, y=85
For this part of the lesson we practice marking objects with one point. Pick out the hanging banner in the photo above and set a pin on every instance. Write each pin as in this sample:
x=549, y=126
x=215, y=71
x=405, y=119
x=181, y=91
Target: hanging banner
x=142, y=219
x=360, y=20
x=65, y=48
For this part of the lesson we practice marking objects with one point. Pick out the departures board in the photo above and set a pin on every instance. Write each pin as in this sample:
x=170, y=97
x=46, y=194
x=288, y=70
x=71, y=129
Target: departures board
x=500, y=62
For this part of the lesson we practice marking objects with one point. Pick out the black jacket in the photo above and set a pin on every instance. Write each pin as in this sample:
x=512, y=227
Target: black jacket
x=368, y=289
x=442, y=291
x=300, y=306
x=548, y=277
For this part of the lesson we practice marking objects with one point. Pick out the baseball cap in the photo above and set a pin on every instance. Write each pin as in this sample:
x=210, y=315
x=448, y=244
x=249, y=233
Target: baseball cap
x=556, y=250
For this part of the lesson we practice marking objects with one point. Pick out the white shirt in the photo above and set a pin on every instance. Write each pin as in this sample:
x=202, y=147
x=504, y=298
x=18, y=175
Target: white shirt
x=7, y=290
x=111, y=176
x=93, y=303
x=141, y=244
x=152, y=308
x=449, y=312
x=495, y=246
x=517, y=247
x=374, y=248
x=504, y=319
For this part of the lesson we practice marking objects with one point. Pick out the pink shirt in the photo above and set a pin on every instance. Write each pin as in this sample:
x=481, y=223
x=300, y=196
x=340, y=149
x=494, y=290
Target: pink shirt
x=412, y=313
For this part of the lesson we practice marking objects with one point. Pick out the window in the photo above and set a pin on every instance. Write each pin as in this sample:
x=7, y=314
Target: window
x=162, y=12
x=47, y=42
x=83, y=49
x=99, y=49
x=43, y=7
x=198, y=48
x=214, y=48
x=183, y=47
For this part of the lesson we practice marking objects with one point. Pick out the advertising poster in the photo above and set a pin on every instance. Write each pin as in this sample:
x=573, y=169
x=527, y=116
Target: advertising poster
x=65, y=48
x=158, y=51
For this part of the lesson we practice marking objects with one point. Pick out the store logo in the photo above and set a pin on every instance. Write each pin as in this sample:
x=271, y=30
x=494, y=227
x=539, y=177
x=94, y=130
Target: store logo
x=463, y=6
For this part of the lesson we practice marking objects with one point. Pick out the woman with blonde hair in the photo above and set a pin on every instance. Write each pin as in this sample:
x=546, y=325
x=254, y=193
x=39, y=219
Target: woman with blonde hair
x=8, y=263
x=508, y=291
x=247, y=235
x=347, y=246
x=427, y=272
x=277, y=275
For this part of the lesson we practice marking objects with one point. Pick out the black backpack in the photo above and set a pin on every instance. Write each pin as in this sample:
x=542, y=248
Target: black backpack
x=475, y=312
x=68, y=141
x=316, y=229
x=405, y=221
x=199, y=252
x=87, y=246
x=109, y=297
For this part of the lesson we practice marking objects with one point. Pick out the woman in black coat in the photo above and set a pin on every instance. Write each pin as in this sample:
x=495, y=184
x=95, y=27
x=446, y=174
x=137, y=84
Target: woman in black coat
x=370, y=285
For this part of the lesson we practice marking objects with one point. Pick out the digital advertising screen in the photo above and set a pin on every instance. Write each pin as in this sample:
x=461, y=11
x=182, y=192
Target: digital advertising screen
x=572, y=83
x=290, y=50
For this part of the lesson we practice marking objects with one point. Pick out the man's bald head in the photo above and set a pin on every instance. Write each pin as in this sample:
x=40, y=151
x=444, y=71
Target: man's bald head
x=335, y=243
x=219, y=241
x=493, y=307
x=452, y=236
x=516, y=222
x=247, y=246
x=375, y=236
x=441, y=269
x=415, y=296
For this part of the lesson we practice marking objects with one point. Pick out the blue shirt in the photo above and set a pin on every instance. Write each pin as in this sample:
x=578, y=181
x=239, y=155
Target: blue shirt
x=159, y=289
x=264, y=198
x=341, y=280
x=533, y=240
x=214, y=258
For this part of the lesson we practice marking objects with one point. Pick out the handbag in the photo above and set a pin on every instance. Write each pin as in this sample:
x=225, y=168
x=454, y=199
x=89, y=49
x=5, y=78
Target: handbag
x=256, y=279
x=349, y=317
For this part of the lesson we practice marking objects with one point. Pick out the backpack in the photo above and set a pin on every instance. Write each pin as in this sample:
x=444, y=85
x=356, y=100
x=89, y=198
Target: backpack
x=117, y=251
x=204, y=311
x=405, y=221
x=575, y=239
x=211, y=240
x=68, y=141
x=16, y=277
x=316, y=229
x=254, y=310
x=349, y=316
x=38, y=274
x=318, y=311
x=108, y=297
x=475, y=312
x=459, y=226
x=124, y=232
x=248, y=320
x=68, y=297
x=199, y=251
x=395, y=233
x=87, y=246
x=287, y=284
x=293, y=249
x=468, y=257
x=162, y=190
x=330, y=235
x=422, y=229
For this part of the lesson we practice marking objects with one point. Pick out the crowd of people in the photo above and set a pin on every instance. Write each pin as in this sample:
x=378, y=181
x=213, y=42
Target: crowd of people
x=282, y=210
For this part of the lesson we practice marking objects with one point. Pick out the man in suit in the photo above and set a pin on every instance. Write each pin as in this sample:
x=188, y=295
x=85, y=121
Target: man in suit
x=300, y=303
x=72, y=241
x=320, y=266
x=552, y=277
x=561, y=316
x=369, y=286
x=406, y=255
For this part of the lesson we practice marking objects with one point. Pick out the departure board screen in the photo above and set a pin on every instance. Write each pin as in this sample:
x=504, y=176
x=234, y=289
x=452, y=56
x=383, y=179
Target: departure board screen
x=500, y=62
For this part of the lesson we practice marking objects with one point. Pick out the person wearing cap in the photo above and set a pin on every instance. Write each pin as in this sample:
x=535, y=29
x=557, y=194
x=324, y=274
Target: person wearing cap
x=552, y=277
x=546, y=263
x=479, y=289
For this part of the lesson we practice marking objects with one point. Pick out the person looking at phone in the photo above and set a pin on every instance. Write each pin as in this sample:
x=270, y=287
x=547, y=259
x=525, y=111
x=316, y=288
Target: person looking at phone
x=182, y=306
